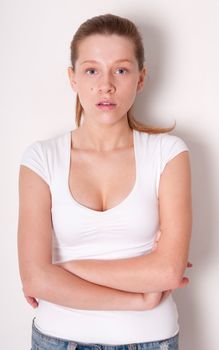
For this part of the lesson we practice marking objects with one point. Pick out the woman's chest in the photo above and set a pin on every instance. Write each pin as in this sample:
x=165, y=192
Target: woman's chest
x=101, y=181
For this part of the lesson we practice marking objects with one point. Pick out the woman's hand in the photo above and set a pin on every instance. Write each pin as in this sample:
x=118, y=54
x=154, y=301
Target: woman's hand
x=150, y=300
x=31, y=300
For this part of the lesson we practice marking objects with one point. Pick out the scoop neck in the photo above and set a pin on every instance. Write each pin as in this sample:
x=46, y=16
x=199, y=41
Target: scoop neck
x=119, y=205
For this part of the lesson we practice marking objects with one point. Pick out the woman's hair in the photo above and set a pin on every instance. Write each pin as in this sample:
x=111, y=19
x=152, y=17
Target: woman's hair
x=105, y=25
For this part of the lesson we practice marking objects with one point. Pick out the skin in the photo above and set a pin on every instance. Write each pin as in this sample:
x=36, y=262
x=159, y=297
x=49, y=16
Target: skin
x=107, y=130
x=153, y=298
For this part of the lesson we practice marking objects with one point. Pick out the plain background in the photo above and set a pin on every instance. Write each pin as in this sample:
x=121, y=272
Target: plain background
x=181, y=50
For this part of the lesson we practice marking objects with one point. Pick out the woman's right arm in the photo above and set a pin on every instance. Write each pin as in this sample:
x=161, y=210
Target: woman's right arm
x=44, y=280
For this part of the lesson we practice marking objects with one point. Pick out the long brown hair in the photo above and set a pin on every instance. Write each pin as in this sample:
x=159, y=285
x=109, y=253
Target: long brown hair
x=113, y=24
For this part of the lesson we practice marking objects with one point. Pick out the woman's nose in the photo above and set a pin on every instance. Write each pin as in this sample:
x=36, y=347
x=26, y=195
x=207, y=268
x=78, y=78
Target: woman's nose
x=106, y=84
x=104, y=89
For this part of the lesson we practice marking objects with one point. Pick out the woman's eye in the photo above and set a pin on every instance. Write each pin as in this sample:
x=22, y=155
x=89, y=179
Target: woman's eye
x=90, y=70
x=123, y=69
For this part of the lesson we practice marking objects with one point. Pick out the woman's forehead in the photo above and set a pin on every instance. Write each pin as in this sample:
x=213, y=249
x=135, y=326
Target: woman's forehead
x=102, y=47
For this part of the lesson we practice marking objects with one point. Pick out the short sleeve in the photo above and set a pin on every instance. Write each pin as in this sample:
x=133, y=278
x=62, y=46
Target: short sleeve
x=171, y=145
x=34, y=158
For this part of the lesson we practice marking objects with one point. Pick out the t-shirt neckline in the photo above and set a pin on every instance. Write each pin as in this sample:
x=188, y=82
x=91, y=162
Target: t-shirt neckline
x=119, y=205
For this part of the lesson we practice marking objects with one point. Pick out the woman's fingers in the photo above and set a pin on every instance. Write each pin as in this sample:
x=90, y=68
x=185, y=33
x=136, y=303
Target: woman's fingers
x=165, y=294
x=156, y=240
x=184, y=282
x=32, y=301
x=158, y=235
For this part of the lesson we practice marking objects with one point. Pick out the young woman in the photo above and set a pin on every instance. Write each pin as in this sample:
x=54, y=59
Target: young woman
x=93, y=205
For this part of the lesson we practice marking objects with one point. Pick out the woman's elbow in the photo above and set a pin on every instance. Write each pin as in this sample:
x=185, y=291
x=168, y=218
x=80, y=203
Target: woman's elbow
x=31, y=287
x=33, y=284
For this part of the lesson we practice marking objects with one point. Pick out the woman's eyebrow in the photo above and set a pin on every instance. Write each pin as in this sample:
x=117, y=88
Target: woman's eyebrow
x=120, y=60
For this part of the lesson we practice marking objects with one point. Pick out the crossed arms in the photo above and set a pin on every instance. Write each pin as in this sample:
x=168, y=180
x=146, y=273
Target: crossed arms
x=160, y=270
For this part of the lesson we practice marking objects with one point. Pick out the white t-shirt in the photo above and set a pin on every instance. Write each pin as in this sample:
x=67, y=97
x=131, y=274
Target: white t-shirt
x=126, y=230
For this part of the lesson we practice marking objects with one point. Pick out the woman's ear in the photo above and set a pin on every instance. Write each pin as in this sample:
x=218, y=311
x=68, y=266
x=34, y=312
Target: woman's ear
x=141, y=79
x=71, y=76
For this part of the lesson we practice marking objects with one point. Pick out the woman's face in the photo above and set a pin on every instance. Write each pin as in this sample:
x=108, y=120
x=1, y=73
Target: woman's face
x=106, y=69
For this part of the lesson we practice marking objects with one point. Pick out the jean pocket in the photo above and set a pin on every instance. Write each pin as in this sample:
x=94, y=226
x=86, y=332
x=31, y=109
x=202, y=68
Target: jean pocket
x=41, y=341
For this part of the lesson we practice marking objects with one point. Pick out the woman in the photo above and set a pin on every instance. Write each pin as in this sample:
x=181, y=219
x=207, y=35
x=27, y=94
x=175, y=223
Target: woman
x=96, y=196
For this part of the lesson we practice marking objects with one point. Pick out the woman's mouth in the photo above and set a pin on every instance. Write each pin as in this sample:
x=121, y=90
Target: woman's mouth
x=106, y=106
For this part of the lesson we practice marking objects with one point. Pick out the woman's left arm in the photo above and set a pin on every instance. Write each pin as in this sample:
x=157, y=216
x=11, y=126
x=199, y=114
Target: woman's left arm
x=163, y=268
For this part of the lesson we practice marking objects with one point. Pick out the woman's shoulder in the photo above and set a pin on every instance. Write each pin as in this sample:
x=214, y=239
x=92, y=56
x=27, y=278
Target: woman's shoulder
x=40, y=154
x=160, y=148
x=46, y=144
x=164, y=140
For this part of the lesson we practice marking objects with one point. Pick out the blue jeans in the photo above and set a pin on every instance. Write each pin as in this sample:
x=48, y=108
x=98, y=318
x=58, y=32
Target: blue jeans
x=41, y=341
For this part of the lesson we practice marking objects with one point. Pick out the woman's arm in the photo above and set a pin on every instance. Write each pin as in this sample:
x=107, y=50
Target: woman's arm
x=42, y=279
x=162, y=269
x=147, y=302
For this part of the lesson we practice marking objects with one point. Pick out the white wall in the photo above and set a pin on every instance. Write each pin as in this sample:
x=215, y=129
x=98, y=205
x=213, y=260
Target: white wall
x=181, y=45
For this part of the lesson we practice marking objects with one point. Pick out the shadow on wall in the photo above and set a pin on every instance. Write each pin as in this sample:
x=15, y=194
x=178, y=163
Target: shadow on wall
x=192, y=334
x=155, y=46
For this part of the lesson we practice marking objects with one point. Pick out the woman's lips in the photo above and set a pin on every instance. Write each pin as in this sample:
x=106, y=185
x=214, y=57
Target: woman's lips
x=106, y=107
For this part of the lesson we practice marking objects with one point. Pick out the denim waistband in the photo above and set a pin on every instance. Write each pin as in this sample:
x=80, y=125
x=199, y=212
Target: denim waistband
x=47, y=342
